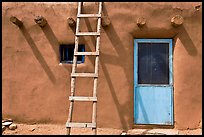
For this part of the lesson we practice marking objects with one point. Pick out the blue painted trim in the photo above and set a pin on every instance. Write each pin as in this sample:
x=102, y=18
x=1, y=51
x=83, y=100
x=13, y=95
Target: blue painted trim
x=136, y=41
x=83, y=56
x=170, y=62
x=153, y=40
x=155, y=85
x=135, y=74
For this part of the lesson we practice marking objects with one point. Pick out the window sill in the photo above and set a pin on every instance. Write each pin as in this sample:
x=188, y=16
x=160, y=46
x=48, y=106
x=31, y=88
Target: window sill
x=61, y=64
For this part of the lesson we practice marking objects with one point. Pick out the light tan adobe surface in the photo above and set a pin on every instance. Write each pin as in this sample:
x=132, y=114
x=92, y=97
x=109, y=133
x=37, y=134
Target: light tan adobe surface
x=59, y=129
x=35, y=88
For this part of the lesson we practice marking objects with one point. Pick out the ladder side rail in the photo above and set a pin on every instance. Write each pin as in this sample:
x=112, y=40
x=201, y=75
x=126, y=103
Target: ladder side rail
x=73, y=79
x=100, y=7
x=96, y=70
x=94, y=98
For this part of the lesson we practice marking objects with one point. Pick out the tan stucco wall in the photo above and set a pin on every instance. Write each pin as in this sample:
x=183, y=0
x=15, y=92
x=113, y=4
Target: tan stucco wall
x=35, y=88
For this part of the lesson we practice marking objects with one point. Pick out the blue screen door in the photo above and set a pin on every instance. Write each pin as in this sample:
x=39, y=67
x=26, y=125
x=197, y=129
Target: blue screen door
x=153, y=88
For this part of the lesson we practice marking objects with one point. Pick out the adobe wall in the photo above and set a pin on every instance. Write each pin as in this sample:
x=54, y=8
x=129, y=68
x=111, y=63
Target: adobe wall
x=35, y=88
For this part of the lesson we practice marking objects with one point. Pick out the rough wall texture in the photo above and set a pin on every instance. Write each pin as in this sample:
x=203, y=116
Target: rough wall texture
x=35, y=88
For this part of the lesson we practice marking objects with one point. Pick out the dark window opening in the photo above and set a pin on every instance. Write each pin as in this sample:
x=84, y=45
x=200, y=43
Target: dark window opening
x=153, y=59
x=67, y=54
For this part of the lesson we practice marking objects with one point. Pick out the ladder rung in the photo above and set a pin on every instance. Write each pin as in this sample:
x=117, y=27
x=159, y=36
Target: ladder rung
x=84, y=75
x=87, y=33
x=82, y=125
x=89, y=15
x=86, y=53
x=78, y=98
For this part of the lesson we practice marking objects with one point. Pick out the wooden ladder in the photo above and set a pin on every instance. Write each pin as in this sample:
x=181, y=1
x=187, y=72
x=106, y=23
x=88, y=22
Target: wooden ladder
x=72, y=98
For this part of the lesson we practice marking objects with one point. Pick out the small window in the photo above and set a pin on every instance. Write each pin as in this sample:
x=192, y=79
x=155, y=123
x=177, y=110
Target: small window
x=67, y=54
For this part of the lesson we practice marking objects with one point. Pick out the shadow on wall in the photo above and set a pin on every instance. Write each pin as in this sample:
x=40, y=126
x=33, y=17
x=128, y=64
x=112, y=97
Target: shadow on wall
x=83, y=41
x=37, y=54
x=116, y=60
x=53, y=42
x=141, y=106
x=119, y=47
x=186, y=41
x=52, y=39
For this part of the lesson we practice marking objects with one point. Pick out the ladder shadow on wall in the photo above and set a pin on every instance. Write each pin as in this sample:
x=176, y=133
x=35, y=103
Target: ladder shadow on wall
x=37, y=54
x=116, y=60
x=83, y=40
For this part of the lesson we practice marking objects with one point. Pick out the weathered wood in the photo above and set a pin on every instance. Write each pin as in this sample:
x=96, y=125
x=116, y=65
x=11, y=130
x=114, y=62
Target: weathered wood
x=79, y=98
x=96, y=70
x=77, y=26
x=100, y=7
x=41, y=21
x=89, y=15
x=71, y=22
x=73, y=81
x=73, y=71
x=177, y=20
x=87, y=53
x=81, y=125
x=105, y=21
x=87, y=33
x=16, y=21
x=141, y=21
x=80, y=4
x=72, y=98
x=197, y=7
x=94, y=104
x=84, y=75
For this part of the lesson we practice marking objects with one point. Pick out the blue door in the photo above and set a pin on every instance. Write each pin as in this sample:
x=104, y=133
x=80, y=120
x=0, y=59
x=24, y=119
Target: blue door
x=153, y=88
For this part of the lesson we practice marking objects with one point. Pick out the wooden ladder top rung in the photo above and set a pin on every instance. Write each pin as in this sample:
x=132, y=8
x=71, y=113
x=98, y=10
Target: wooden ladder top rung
x=81, y=125
x=89, y=15
x=87, y=53
x=79, y=98
x=87, y=34
x=84, y=75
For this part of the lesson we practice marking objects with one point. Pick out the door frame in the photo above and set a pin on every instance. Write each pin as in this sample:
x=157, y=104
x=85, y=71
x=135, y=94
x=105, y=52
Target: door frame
x=136, y=41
